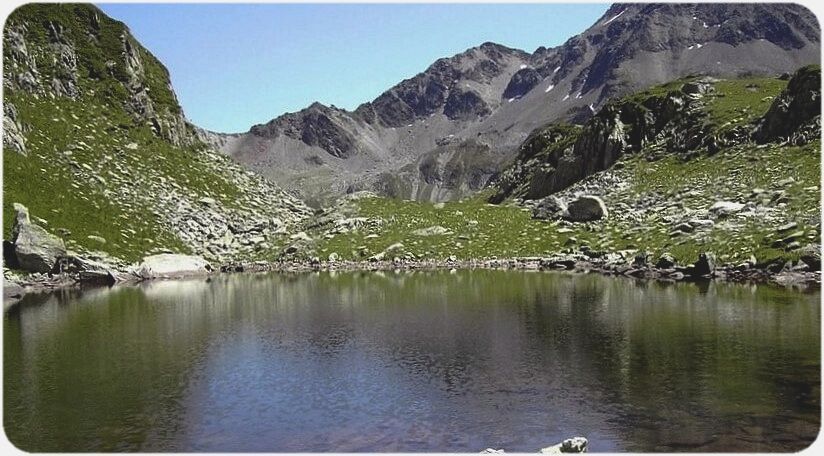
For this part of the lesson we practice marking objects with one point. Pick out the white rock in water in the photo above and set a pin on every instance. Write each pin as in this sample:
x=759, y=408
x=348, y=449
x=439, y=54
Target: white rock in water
x=169, y=265
x=573, y=445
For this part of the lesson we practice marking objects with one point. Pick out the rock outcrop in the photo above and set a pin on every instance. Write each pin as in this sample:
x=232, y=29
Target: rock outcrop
x=557, y=156
x=795, y=115
x=13, y=138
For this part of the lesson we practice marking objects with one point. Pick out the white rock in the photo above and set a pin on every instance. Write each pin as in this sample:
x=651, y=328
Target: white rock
x=169, y=265
x=726, y=208
x=436, y=230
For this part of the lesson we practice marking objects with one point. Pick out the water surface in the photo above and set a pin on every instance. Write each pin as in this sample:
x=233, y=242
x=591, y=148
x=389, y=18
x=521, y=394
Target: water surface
x=423, y=361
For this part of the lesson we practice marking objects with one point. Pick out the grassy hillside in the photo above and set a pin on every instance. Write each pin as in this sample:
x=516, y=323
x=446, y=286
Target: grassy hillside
x=107, y=153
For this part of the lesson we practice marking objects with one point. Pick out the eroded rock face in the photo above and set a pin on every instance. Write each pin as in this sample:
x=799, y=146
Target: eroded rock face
x=35, y=249
x=168, y=265
x=586, y=209
x=521, y=83
x=672, y=122
x=13, y=138
x=465, y=105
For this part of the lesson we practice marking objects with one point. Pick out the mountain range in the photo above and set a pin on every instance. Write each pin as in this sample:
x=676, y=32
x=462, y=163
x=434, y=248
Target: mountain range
x=450, y=130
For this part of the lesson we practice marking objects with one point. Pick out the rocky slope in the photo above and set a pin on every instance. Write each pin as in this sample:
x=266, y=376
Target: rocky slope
x=447, y=131
x=672, y=182
x=684, y=118
x=97, y=148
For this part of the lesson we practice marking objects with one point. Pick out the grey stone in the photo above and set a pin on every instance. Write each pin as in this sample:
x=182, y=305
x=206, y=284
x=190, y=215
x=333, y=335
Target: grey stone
x=549, y=208
x=35, y=249
x=725, y=208
x=573, y=445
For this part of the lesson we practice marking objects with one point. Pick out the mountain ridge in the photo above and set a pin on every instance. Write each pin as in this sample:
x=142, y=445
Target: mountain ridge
x=495, y=95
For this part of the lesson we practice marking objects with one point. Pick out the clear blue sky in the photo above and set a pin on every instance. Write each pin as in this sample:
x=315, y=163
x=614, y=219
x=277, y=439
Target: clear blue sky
x=235, y=65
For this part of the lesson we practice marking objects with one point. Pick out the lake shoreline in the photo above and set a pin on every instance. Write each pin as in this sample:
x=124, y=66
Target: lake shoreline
x=787, y=276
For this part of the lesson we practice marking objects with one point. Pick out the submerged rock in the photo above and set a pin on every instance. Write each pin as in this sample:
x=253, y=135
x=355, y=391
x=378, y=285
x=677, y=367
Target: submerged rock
x=168, y=265
x=35, y=249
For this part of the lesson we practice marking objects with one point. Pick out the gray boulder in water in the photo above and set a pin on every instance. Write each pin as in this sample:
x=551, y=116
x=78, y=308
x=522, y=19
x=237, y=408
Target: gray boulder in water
x=586, y=209
x=35, y=249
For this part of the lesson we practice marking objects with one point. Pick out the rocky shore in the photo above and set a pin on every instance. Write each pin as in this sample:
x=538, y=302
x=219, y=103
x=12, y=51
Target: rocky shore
x=803, y=274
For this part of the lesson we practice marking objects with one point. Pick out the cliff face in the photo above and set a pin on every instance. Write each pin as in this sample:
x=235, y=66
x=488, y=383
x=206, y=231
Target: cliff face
x=492, y=97
x=98, y=149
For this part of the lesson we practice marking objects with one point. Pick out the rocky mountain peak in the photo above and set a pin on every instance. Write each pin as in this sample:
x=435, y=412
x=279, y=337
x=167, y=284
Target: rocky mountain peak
x=496, y=95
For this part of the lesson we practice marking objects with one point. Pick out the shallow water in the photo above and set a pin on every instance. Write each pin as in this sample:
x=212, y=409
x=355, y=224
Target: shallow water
x=424, y=361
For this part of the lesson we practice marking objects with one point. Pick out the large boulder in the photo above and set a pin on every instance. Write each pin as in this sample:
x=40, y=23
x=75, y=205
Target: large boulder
x=171, y=265
x=549, y=208
x=586, y=209
x=35, y=249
